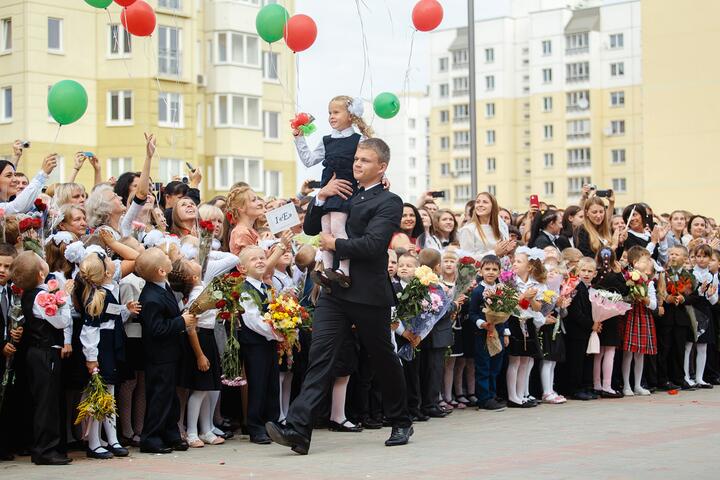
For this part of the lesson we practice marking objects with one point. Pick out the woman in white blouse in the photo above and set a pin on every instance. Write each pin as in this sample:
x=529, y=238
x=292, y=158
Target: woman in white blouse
x=485, y=233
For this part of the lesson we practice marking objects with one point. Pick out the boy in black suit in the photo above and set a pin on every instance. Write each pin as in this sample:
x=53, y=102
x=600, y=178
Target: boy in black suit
x=163, y=328
x=9, y=338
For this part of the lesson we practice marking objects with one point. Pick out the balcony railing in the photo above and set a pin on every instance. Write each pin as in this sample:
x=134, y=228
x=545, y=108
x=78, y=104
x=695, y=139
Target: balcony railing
x=578, y=136
x=461, y=119
x=578, y=78
x=460, y=93
x=576, y=108
x=460, y=65
x=576, y=50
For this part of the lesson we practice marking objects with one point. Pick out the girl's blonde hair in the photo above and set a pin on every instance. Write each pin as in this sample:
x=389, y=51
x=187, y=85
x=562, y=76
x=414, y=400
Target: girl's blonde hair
x=92, y=272
x=237, y=199
x=64, y=191
x=180, y=278
x=210, y=212
x=364, y=128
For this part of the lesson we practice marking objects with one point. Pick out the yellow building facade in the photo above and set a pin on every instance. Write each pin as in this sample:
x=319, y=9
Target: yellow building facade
x=211, y=90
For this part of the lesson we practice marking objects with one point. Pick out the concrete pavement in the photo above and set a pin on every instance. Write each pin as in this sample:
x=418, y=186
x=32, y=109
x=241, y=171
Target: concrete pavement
x=660, y=436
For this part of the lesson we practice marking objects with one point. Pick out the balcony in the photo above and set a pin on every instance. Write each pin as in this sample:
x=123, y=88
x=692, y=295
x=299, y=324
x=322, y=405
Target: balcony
x=582, y=165
x=576, y=109
x=460, y=65
x=577, y=50
x=461, y=146
x=578, y=78
x=461, y=93
x=461, y=119
x=578, y=136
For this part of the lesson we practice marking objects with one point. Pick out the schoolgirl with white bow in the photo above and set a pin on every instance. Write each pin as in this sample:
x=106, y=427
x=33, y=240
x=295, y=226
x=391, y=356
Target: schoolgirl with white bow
x=337, y=154
x=701, y=301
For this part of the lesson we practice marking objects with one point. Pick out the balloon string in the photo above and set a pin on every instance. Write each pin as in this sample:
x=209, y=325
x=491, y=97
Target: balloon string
x=116, y=40
x=406, y=83
x=367, y=65
x=175, y=117
x=56, y=138
x=153, y=65
x=286, y=97
x=297, y=80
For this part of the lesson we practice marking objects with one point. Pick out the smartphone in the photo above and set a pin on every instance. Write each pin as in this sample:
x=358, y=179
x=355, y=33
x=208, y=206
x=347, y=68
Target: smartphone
x=190, y=166
x=89, y=154
x=604, y=193
x=534, y=201
x=314, y=184
x=438, y=194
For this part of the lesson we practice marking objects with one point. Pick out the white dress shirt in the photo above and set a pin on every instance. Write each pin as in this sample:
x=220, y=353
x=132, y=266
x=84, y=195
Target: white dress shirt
x=24, y=200
x=253, y=316
x=90, y=336
x=311, y=158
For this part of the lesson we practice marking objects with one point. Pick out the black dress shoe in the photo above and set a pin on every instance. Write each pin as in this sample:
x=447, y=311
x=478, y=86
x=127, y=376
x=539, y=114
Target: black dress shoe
x=180, y=446
x=288, y=436
x=341, y=427
x=105, y=455
x=435, y=412
x=419, y=417
x=512, y=404
x=686, y=386
x=162, y=450
x=339, y=277
x=584, y=396
x=593, y=395
x=399, y=436
x=261, y=439
x=372, y=424
x=55, y=459
x=705, y=386
x=227, y=434
x=318, y=277
x=493, y=405
x=6, y=457
x=605, y=394
x=118, y=450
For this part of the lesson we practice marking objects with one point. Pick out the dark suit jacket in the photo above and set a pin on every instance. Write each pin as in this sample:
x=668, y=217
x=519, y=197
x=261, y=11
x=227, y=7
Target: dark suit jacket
x=579, y=321
x=374, y=216
x=163, y=327
x=543, y=241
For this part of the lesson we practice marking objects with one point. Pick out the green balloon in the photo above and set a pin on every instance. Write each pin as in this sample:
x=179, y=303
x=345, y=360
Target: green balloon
x=386, y=105
x=270, y=22
x=67, y=101
x=99, y=3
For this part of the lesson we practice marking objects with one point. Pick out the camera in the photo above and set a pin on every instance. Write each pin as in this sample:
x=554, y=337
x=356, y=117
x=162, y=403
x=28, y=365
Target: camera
x=25, y=144
x=438, y=194
x=604, y=193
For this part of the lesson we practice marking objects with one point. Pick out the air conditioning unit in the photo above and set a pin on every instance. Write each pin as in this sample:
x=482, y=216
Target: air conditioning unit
x=201, y=81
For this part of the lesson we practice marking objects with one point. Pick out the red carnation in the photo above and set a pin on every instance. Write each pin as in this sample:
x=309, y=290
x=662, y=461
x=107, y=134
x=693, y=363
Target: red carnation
x=230, y=219
x=467, y=260
x=524, y=303
x=235, y=274
x=220, y=304
x=225, y=315
x=40, y=205
x=16, y=290
x=235, y=295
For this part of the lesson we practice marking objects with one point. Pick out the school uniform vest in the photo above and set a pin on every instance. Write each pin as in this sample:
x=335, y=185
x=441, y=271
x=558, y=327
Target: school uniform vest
x=339, y=157
x=39, y=332
x=245, y=334
x=111, y=347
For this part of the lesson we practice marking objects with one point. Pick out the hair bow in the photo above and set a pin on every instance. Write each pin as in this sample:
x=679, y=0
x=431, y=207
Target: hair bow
x=60, y=237
x=76, y=252
x=153, y=238
x=532, y=253
x=189, y=251
x=356, y=107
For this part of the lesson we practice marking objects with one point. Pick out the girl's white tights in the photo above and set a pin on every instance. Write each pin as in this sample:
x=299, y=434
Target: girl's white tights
x=110, y=432
x=337, y=412
x=516, y=378
x=448, y=377
x=639, y=358
x=194, y=404
x=528, y=370
x=700, y=359
x=285, y=386
x=334, y=223
x=602, y=369
x=547, y=376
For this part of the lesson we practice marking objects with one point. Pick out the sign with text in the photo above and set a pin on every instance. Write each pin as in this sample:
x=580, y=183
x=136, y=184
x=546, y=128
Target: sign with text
x=282, y=218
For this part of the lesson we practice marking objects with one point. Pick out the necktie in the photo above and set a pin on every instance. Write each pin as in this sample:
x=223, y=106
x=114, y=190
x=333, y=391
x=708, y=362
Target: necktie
x=4, y=302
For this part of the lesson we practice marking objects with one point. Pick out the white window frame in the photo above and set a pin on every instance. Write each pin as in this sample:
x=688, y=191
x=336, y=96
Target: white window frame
x=163, y=4
x=489, y=83
x=579, y=157
x=229, y=46
x=412, y=142
x=490, y=110
x=549, y=160
x=443, y=64
x=59, y=50
x=225, y=180
x=461, y=112
x=577, y=72
x=445, y=169
x=575, y=184
x=617, y=69
x=6, y=40
x=492, y=190
x=490, y=138
x=267, y=115
x=546, y=48
x=461, y=140
x=173, y=119
x=617, y=127
x=173, y=167
x=121, y=121
x=267, y=71
x=268, y=182
x=444, y=90
x=124, y=164
x=549, y=188
x=617, y=99
x=444, y=143
x=618, y=156
x=124, y=41
x=444, y=116
x=548, y=132
x=547, y=75
x=229, y=112
x=619, y=185
x=168, y=57
x=617, y=41
x=3, y=93
x=412, y=123
x=489, y=55
x=490, y=164
x=547, y=104
x=462, y=193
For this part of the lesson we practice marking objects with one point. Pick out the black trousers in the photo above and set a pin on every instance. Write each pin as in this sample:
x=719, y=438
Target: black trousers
x=411, y=371
x=160, y=428
x=671, y=351
x=45, y=379
x=263, y=377
x=579, y=365
x=333, y=321
x=432, y=363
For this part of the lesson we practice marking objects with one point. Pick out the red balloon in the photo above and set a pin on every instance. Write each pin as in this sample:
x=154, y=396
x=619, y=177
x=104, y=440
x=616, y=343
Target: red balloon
x=138, y=19
x=125, y=3
x=300, y=32
x=427, y=15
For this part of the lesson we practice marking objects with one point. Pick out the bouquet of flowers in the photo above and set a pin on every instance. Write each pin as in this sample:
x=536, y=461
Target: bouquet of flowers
x=679, y=281
x=207, y=232
x=98, y=403
x=502, y=301
x=604, y=305
x=52, y=300
x=30, y=228
x=421, y=305
x=638, y=283
x=2, y=225
x=466, y=275
x=16, y=319
x=286, y=316
x=138, y=230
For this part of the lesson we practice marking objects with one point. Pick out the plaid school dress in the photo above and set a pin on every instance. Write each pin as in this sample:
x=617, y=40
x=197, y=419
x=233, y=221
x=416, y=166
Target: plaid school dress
x=638, y=331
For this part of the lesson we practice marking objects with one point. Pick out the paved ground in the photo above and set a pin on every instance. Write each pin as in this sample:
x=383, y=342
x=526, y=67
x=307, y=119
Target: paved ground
x=661, y=436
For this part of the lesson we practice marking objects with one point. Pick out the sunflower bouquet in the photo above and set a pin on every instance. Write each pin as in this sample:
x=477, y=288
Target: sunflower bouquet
x=98, y=403
x=286, y=317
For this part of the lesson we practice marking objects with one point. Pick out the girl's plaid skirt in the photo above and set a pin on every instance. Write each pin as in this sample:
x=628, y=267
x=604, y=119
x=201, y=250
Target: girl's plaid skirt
x=638, y=331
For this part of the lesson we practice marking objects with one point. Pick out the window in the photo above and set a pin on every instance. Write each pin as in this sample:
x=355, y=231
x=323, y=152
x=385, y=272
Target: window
x=617, y=40
x=461, y=86
x=58, y=174
x=461, y=140
x=170, y=110
x=578, y=157
x=617, y=69
x=462, y=193
x=6, y=104
x=444, y=143
x=119, y=165
x=412, y=162
x=489, y=110
x=549, y=188
x=547, y=75
x=617, y=127
x=237, y=111
x=460, y=58
x=548, y=132
x=617, y=99
x=579, y=100
x=444, y=116
x=575, y=184
x=5, y=35
x=490, y=164
x=169, y=46
x=577, y=72
x=546, y=48
x=171, y=168
x=489, y=55
x=490, y=82
x=619, y=185
x=119, y=43
x=170, y=4
x=578, y=129
x=461, y=112
x=412, y=142
x=549, y=159
x=547, y=104
x=271, y=124
x=444, y=90
x=577, y=42
x=412, y=182
x=462, y=166
x=444, y=169
x=273, y=184
x=54, y=34
x=492, y=190
x=412, y=123
x=618, y=156
x=230, y=170
x=270, y=66
x=443, y=65
x=238, y=49
x=490, y=137
x=120, y=108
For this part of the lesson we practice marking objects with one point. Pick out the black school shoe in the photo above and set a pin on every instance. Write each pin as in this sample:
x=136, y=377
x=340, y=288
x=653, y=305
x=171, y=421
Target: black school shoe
x=512, y=404
x=582, y=396
x=52, y=458
x=106, y=455
x=493, y=405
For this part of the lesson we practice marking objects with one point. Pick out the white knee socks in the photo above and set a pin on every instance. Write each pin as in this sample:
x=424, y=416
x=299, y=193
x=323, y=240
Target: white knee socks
x=546, y=375
x=194, y=405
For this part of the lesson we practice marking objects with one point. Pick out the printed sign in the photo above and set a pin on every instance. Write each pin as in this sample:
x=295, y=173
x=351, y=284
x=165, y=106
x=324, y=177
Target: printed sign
x=282, y=218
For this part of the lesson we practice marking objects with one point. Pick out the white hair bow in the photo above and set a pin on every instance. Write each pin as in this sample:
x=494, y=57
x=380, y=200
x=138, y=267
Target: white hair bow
x=189, y=251
x=60, y=237
x=76, y=252
x=356, y=107
x=532, y=253
x=153, y=238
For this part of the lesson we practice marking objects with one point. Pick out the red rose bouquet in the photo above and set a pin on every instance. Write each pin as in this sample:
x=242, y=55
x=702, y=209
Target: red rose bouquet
x=467, y=271
x=206, y=229
x=501, y=301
